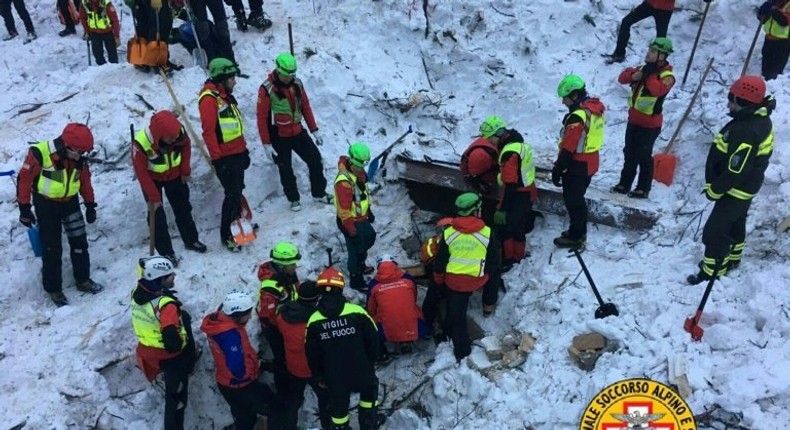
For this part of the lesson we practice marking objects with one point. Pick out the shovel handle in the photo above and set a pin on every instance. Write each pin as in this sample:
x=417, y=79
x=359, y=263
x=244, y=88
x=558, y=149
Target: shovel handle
x=587, y=274
x=328, y=257
x=688, y=109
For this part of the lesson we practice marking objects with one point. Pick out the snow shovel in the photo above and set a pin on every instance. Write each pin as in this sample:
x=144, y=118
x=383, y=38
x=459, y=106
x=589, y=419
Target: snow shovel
x=604, y=309
x=243, y=232
x=198, y=54
x=156, y=51
x=664, y=164
x=696, y=40
x=135, y=48
x=751, y=49
x=382, y=158
x=692, y=324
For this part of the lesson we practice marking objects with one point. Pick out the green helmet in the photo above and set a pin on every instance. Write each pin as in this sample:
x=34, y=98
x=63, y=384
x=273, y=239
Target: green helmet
x=662, y=44
x=285, y=254
x=222, y=66
x=491, y=125
x=286, y=64
x=468, y=203
x=569, y=84
x=359, y=154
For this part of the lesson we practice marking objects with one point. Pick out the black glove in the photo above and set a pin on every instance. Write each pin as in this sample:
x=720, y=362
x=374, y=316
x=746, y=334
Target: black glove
x=648, y=69
x=26, y=216
x=764, y=11
x=707, y=1
x=556, y=177
x=90, y=212
x=371, y=217
x=245, y=162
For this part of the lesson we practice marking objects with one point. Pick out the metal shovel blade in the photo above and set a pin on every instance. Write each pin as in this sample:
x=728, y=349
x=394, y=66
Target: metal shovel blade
x=606, y=310
x=200, y=58
x=692, y=326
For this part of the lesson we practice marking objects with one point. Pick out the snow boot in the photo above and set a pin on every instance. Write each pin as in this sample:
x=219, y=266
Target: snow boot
x=241, y=23
x=639, y=194
x=698, y=278
x=488, y=310
x=59, y=299
x=197, y=246
x=173, y=259
x=567, y=242
x=31, y=36
x=259, y=21
x=614, y=58
x=10, y=36
x=231, y=246
x=89, y=286
x=358, y=282
x=370, y=418
x=67, y=32
x=296, y=206
x=326, y=198
x=619, y=189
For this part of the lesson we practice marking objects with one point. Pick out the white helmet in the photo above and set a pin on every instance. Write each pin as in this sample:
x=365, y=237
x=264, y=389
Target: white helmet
x=155, y=267
x=385, y=257
x=237, y=301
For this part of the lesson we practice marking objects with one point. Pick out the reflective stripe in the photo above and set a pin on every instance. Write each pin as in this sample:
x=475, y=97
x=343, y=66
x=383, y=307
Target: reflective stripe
x=281, y=112
x=367, y=405
x=230, y=121
x=776, y=30
x=157, y=163
x=526, y=166
x=361, y=199
x=467, y=251
x=97, y=20
x=51, y=182
x=647, y=103
x=591, y=140
x=146, y=324
x=340, y=421
x=348, y=309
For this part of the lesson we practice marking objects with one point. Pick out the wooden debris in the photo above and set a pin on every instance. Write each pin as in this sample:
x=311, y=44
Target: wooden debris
x=587, y=348
x=676, y=369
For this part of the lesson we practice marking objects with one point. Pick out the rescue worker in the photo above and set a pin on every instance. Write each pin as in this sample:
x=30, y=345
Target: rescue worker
x=10, y=23
x=479, y=164
x=650, y=85
x=100, y=22
x=291, y=322
x=354, y=216
x=279, y=285
x=223, y=132
x=392, y=304
x=50, y=178
x=161, y=155
x=214, y=39
x=435, y=293
x=236, y=362
x=577, y=161
x=256, y=19
x=775, y=16
x=660, y=10
x=68, y=13
x=734, y=173
x=466, y=261
x=282, y=104
x=514, y=217
x=342, y=346
x=164, y=331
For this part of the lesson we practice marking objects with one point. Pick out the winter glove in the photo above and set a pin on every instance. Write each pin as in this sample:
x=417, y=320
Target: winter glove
x=648, y=69
x=171, y=339
x=500, y=217
x=90, y=212
x=371, y=217
x=26, y=216
x=156, y=4
x=765, y=11
x=318, y=138
x=556, y=177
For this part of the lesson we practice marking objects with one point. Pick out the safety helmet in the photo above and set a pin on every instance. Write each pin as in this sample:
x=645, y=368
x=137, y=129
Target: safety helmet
x=330, y=278
x=749, y=88
x=359, y=154
x=569, y=84
x=155, y=267
x=662, y=44
x=78, y=137
x=308, y=291
x=468, y=203
x=491, y=125
x=237, y=301
x=222, y=68
x=285, y=254
x=383, y=258
x=286, y=64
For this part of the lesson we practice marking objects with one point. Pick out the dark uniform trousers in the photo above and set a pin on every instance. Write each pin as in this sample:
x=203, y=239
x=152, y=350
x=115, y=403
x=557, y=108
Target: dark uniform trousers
x=100, y=42
x=249, y=401
x=176, y=372
x=54, y=217
x=177, y=193
x=340, y=398
x=216, y=43
x=573, y=189
x=294, y=398
x=639, y=13
x=518, y=222
x=638, y=152
x=277, y=345
x=724, y=233
x=304, y=147
x=19, y=5
x=457, y=306
x=358, y=247
x=775, y=55
x=230, y=172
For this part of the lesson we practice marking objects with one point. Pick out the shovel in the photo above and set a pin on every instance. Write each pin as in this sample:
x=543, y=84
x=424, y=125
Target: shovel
x=692, y=324
x=156, y=52
x=604, y=309
x=664, y=164
x=198, y=54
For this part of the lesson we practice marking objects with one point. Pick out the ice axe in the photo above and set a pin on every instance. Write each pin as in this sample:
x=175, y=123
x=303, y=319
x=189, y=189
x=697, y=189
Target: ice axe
x=604, y=309
x=382, y=158
x=691, y=324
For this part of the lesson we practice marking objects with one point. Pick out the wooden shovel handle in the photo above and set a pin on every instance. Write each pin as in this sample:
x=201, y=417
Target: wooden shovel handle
x=151, y=231
x=688, y=109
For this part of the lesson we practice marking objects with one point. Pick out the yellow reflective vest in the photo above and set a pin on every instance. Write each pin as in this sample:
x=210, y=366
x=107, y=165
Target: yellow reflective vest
x=230, y=121
x=157, y=163
x=591, y=140
x=361, y=198
x=281, y=112
x=644, y=102
x=52, y=182
x=467, y=251
x=526, y=168
x=145, y=321
x=774, y=29
x=97, y=20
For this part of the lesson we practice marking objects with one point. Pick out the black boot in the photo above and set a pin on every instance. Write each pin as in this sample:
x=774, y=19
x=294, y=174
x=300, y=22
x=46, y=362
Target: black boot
x=698, y=278
x=259, y=21
x=370, y=418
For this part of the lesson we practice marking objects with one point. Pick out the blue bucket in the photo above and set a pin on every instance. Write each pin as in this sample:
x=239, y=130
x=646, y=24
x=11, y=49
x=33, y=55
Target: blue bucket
x=35, y=241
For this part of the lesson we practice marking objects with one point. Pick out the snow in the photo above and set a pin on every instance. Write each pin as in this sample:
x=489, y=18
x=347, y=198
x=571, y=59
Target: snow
x=367, y=82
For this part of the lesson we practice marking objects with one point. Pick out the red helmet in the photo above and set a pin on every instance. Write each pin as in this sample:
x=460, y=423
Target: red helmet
x=165, y=125
x=749, y=88
x=77, y=137
x=330, y=278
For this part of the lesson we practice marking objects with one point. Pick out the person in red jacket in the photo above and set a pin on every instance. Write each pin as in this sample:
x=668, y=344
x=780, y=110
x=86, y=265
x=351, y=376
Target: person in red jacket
x=775, y=16
x=291, y=322
x=392, y=304
x=282, y=104
x=236, y=362
x=660, y=10
x=578, y=160
x=479, y=164
x=161, y=156
x=164, y=332
x=650, y=85
x=100, y=22
x=49, y=180
x=223, y=132
x=467, y=260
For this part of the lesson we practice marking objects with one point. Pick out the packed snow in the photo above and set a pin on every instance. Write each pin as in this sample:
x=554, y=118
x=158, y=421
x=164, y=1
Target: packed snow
x=373, y=73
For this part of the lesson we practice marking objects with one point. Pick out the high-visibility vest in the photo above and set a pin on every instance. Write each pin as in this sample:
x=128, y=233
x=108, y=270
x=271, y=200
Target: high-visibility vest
x=230, y=122
x=776, y=30
x=293, y=294
x=348, y=309
x=467, y=251
x=157, y=163
x=97, y=20
x=526, y=168
x=52, y=182
x=361, y=203
x=282, y=113
x=145, y=320
x=591, y=140
x=429, y=249
x=646, y=103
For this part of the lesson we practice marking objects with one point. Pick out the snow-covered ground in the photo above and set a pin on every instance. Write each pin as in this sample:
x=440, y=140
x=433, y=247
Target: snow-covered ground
x=480, y=58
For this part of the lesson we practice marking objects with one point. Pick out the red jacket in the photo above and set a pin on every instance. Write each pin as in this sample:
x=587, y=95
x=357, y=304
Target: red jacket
x=147, y=177
x=209, y=120
x=652, y=84
x=31, y=170
x=510, y=170
x=291, y=322
x=464, y=283
x=235, y=359
x=393, y=303
x=574, y=127
x=115, y=26
x=271, y=298
x=480, y=160
x=297, y=97
x=662, y=4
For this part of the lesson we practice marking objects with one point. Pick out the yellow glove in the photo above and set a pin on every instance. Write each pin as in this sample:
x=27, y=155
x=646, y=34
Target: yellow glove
x=156, y=4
